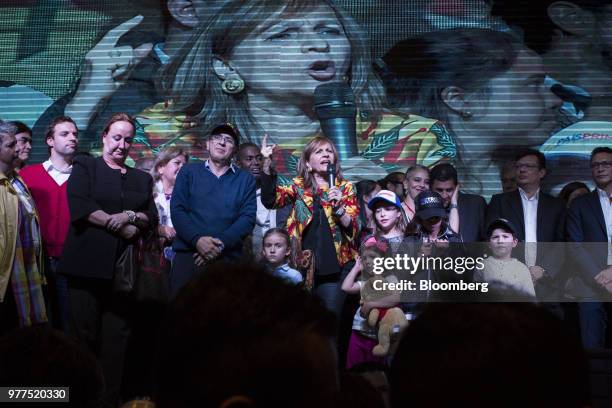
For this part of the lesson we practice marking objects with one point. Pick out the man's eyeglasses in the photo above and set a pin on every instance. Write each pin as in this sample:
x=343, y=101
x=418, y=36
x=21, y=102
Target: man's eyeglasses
x=602, y=164
x=226, y=139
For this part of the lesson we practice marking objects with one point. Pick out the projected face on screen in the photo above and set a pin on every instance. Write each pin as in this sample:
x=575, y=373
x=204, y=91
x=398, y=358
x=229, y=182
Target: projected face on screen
x=520, y=108
x=289, y=56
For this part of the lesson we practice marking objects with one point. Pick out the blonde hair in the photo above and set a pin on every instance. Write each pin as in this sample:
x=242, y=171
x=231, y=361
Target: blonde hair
x=194, y=88
x=164, y=157
x=302, y=168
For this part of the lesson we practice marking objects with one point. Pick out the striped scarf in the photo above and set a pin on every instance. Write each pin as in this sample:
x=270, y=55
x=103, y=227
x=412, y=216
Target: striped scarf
x=27, y=276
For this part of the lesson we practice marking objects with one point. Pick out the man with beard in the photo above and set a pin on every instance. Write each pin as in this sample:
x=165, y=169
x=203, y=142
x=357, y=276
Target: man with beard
x=21, y=272
x=472, y=207
x=47, y=183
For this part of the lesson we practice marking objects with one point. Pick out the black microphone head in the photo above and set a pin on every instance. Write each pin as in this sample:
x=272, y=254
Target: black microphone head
x=331, y=169
x=331, y=174
x=333, y=100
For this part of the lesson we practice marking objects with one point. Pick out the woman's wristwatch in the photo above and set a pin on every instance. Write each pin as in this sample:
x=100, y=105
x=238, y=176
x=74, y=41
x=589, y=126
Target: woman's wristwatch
x=132, y=216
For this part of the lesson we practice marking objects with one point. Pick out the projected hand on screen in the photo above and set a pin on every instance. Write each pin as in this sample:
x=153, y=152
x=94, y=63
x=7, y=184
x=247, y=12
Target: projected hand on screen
x=106, y=68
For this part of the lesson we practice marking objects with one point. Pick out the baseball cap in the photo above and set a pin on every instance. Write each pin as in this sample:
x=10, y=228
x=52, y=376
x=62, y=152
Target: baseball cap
x=229, y=129
x=386, y=196
x=429, y=204
x=502, y=223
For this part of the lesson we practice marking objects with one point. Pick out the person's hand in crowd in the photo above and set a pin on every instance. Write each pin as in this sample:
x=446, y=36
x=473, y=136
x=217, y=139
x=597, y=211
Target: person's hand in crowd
x=198, y=259
x=129, y=232
x=266, y=152
x=536, y=273
x=166, y=232
x=366, y=308
x=106, y=67
x=116, y=221
x=334, y=194
x=455, y=196
x=358, y=265
x=209, y=248
x=604, y=278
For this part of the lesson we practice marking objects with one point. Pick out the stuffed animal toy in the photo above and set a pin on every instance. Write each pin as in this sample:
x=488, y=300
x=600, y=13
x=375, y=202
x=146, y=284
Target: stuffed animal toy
x=391, y=319
x=386, y=319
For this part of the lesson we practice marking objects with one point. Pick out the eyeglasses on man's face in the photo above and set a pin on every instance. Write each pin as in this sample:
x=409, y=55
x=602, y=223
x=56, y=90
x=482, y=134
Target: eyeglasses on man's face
x=602, y=164
x=223, y=139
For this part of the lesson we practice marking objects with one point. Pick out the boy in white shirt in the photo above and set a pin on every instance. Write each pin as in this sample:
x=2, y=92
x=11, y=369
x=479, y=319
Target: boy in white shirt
x=500, y=266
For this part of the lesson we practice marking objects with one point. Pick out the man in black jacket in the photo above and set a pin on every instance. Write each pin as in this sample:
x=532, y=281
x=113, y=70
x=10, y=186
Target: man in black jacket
x=540, y=220
x=472, y=207
x=589, y=228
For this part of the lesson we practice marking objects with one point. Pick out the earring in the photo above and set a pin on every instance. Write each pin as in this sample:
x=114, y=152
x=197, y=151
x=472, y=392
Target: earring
x=466, y=114
x=232, y=84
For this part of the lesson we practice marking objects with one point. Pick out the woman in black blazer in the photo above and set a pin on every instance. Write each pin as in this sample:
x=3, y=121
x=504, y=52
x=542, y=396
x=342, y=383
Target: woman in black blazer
x=110, y=204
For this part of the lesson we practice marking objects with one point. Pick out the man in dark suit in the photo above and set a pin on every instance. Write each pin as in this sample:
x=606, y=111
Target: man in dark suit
x=589, y=228
x=471, y=207
x=539, y=218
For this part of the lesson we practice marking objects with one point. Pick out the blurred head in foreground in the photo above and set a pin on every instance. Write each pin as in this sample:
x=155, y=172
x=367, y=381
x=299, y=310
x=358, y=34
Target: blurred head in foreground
x=239, y=337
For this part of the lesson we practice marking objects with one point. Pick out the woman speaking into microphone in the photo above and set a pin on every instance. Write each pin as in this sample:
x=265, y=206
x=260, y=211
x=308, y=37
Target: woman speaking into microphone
x=323, y=217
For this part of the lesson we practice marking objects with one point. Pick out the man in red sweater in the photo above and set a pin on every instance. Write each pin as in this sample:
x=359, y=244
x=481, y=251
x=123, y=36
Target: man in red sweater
x=47, y=183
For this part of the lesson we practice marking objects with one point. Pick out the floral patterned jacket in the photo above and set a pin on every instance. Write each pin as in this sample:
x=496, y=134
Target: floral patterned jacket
x=275, y=195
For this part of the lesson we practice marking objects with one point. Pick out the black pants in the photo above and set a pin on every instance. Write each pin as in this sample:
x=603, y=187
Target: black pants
x=101, y=320
x=56, y=297
x=183, y=271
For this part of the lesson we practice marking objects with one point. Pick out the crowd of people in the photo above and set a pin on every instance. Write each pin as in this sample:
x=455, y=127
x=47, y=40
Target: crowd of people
x=264, y=243
x=70, y=221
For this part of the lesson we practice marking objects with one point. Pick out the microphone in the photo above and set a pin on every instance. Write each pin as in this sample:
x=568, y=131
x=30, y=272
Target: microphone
x=331, y=174
x=335, y=108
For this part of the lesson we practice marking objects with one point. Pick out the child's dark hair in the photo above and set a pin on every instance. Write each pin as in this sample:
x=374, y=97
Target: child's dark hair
x=285, y=234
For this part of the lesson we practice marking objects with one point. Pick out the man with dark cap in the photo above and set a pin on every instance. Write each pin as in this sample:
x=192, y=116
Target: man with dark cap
x=213, y=208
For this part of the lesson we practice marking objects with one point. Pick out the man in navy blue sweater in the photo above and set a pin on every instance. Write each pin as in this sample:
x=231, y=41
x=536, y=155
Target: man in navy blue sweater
x=213, y=209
